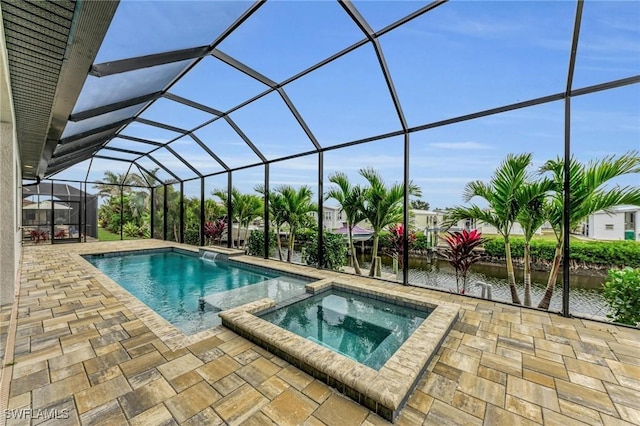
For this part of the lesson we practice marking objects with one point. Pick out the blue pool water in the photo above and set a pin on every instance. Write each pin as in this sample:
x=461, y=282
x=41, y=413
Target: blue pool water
x=187, y=290
x=367, y=330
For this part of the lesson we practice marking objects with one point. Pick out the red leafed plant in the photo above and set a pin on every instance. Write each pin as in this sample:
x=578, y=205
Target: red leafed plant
x=61, y=233
x=396, y=241
x=37, y=235
x=214, y=230
x=460, y=253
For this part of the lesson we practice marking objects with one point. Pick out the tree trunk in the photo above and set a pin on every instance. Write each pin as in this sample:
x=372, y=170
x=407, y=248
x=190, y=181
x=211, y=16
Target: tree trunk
x=374, y=255
x=279, y=242
x=175, y=233
x=553, y=276
x=238, y=242
x=527, y=274
x=352, y=248
x=510, y=274
x=246, y=235
x=291, y=243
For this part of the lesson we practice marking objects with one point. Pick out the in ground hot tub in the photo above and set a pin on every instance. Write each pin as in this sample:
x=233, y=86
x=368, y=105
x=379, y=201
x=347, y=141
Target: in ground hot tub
x=370, y=343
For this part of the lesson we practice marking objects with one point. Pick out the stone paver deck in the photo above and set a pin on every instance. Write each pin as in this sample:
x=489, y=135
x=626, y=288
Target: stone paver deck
x=82, y=351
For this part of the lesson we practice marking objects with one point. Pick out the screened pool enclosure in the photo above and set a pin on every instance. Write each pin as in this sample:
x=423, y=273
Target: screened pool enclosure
x=186, y=103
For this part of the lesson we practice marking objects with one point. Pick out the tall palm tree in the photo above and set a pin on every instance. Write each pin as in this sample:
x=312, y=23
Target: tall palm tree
x=382, y=206
x=589, y=194
x=532, y=215
x=505, y=198
x=296, y=208
x=350, y=198
x=251, y=207
x=236, y=196
x=277, y=209
x=277, y=213
x=109, y=185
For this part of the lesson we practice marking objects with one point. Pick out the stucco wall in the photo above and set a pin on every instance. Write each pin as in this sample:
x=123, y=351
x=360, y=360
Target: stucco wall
x=10, y=179
x=10, y=245
x=598, y=226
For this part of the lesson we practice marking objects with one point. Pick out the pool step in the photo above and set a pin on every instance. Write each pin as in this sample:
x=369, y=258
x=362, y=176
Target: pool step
x=278, y=289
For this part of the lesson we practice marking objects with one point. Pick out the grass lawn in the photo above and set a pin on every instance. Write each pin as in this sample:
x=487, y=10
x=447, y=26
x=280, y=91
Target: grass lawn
x=105, y=235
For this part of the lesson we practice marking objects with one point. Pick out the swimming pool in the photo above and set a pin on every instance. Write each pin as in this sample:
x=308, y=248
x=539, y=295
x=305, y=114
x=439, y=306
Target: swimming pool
x=188, y=290
x=366, y=330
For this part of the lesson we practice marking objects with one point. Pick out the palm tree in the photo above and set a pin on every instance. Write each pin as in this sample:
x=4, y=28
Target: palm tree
x=213, y=210
x=233, y=214
x=588, y=194
x=295, y=208
x=505, y=197
x=382, y=206
x=277, y=213
x=251, y=207
x=350, y=198
x=532, y=215
x=109, y=185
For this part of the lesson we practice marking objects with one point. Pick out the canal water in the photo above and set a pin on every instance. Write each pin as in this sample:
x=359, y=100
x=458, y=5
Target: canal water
x=585, y=291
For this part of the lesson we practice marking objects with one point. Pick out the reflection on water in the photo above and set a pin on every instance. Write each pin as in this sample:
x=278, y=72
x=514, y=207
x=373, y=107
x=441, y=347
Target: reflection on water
x=585, y=293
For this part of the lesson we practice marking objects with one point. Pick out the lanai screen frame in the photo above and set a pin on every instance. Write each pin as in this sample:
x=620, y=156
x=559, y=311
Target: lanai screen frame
x=96, y=148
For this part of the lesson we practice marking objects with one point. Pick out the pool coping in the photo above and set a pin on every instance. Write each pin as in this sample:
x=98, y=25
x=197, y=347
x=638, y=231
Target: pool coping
x=168, y=333
x=384, y=391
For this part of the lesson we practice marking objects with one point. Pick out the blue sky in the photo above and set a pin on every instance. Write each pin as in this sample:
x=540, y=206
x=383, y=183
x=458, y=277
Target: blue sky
x=460, y=58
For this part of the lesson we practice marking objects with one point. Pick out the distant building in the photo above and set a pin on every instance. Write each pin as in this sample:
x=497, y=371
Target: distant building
x=621, y=223
x=333, y=217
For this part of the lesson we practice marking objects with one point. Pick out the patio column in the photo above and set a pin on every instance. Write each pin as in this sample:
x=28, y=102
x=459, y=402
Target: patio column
x=10, y=231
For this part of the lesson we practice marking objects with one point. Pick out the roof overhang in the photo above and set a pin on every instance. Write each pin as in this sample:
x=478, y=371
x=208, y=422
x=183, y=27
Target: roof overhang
x=50, y=48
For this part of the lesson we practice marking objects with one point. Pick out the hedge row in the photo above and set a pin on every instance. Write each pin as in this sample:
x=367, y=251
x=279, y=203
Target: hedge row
x=620, y=253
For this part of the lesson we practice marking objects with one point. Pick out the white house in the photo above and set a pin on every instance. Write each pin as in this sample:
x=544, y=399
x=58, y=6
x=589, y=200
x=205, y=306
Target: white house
x=487, y=229
x=618, y=224
x=333, y=217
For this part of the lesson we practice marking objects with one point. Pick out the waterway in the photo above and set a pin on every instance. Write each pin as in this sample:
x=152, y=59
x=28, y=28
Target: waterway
x=585, y=294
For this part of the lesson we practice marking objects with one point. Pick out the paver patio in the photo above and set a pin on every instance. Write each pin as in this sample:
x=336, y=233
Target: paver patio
x=79, y=348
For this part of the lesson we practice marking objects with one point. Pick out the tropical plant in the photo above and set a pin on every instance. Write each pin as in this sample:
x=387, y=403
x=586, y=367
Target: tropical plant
x=277, y=214
x=382, y=206
x=396, y=242
x=622, y=294
x=296, y=206
x=460, y=253
x=130, y=229
x=251, y=208
x=333, y=248
x=37, y=235
x=589, y=193
x=236, y=201
x=532, y=215
x=213, y=231
x=350, y=198
x=505, y=196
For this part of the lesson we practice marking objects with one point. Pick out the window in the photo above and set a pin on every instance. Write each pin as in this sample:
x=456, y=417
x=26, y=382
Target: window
x=327, y=216
x=609, y=226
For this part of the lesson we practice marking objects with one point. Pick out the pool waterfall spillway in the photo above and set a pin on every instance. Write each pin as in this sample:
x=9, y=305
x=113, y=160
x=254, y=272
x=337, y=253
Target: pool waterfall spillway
x=385, y=390
x=208, y=255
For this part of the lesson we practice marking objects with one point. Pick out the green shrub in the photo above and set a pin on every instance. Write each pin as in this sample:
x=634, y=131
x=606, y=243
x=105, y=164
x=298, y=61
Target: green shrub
x=620, y=253
x=130, y=229
x=622, y=294
x=334, y=247
x=192, y=236
x=255, y=243
x=422, y=242
x=305, y=234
